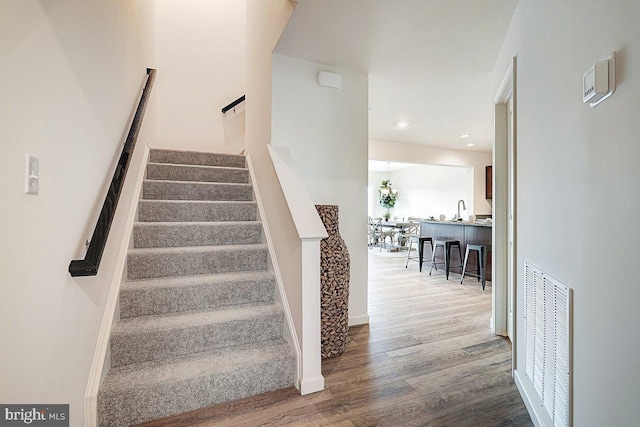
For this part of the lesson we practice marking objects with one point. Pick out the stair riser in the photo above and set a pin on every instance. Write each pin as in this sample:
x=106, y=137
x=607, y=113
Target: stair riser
x=191, y=158
x=172, y=190
x=163, y=344
x=188, y=211
x=148, y=301
x=142, y=404
x=163, y=235
x=165, y=264
x=171, y=172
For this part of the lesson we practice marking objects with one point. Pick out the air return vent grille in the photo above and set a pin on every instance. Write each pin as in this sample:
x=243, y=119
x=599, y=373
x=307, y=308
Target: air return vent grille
x=547, y=342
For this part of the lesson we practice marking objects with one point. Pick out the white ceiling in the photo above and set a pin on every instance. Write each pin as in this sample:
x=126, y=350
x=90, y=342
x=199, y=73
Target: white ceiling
x=429, y=61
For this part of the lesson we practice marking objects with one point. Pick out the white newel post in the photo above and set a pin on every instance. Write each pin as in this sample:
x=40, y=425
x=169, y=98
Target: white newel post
x=312, y=379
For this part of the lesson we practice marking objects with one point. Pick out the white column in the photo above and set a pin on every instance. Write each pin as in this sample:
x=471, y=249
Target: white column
x=311, y=375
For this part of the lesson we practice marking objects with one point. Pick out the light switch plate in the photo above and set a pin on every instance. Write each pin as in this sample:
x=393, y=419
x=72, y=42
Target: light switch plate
x=32, y=174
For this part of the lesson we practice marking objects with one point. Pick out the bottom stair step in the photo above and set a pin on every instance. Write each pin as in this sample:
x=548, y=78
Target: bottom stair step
x=141, y=392
x=165, y=336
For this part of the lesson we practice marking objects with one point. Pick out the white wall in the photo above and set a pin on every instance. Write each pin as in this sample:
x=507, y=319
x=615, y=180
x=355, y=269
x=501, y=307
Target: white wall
x=326, y=131
x=413, y=153
x=265, y=23
x=70, y=80
x=428, y=190
x=201, y=48
x=579, y=189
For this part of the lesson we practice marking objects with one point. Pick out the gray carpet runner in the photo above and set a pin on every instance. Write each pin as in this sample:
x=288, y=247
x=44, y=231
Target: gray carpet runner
x=199, y=324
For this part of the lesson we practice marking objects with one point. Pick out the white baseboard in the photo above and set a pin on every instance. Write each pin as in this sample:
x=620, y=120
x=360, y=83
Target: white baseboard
x=359, y=320
x=311, y=385
x=531, y=408
x=100, y=356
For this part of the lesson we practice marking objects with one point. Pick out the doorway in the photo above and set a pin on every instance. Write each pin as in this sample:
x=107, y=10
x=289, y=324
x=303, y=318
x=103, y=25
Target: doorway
x=505, y=209
x=511, y=191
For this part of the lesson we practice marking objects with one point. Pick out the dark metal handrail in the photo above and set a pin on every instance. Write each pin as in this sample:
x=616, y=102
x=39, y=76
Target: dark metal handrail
x=233, y=104
x=89, y=265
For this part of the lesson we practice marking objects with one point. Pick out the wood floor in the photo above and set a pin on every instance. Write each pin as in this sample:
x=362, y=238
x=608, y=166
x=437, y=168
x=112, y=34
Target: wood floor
x=427, y=358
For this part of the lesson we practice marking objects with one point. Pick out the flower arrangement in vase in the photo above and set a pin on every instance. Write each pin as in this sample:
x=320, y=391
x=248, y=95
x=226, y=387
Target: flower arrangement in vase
x=387, y=197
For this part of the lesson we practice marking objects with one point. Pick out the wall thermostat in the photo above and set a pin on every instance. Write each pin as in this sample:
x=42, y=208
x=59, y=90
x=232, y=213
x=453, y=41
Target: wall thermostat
x=599, y=82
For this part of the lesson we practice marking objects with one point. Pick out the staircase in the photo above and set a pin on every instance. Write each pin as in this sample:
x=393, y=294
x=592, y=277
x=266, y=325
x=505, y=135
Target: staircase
x=199, y=324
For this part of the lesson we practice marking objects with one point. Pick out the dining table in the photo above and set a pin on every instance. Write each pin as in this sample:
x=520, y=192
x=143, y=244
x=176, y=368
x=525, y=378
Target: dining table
x=399, y=226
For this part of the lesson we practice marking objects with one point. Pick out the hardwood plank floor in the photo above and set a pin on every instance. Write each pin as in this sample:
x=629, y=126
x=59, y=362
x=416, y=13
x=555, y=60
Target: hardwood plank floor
x=427, y=358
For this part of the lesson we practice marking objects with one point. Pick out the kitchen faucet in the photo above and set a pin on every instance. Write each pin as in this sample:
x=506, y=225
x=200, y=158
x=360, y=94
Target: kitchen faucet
x=458, y=217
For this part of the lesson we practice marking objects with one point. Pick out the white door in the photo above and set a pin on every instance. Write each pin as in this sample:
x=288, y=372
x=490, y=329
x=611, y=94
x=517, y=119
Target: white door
x=511, y=196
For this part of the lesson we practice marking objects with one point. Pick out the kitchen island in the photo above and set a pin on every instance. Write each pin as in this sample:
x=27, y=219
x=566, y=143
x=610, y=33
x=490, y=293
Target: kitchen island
x=465, y=232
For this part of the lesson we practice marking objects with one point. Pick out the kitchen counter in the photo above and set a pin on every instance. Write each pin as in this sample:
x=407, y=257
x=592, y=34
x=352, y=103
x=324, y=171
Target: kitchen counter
x=473, y=224
x=465, y=232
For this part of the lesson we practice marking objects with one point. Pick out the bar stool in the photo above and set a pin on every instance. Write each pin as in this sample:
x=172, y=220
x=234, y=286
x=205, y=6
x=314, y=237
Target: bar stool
x=446, y=246
x=482, y=249
x=420, y=241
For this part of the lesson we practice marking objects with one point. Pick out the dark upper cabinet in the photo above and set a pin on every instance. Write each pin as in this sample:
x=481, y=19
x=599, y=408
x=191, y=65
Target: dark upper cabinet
x=488, y=181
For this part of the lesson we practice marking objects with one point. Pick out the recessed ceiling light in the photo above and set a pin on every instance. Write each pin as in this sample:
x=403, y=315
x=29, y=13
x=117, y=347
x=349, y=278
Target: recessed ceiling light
x=471, y=144
x=465, y=135
x=402, y=124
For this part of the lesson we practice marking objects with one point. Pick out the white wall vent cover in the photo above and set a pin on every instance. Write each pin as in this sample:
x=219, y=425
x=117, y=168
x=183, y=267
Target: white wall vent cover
x=547, y=342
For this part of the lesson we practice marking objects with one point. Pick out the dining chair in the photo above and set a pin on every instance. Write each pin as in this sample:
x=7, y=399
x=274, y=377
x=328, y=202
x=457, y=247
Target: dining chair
x=372, y=233
x=377, y=235
x=390, y=233
x=416, y=221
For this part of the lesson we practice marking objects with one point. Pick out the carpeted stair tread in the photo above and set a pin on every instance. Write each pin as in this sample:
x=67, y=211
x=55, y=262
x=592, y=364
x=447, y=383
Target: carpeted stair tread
x=173, y=294
x=139, y=339
x=183, y=281
x=194, y=190
x=193, y=318
x=196, y=210
x=173, y=234
x=196, y=158
x=141, y=392
x=176, y=172
x=196, y=248
x=186, y=261
x=184, y=367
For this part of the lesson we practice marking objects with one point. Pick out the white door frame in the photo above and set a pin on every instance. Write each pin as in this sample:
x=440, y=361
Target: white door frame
x=511, y=214
x=501, y=201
